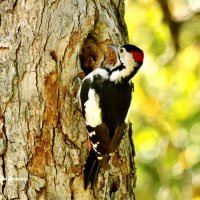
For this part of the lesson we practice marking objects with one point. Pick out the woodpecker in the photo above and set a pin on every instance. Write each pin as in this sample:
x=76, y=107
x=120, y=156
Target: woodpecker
x=104, y=98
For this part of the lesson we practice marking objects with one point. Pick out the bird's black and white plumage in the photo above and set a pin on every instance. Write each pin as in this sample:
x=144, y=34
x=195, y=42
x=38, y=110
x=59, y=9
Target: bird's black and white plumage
x=104, y=98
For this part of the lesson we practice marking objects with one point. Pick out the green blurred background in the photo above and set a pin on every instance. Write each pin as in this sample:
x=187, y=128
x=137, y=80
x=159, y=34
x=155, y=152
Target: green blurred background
x=166, y=103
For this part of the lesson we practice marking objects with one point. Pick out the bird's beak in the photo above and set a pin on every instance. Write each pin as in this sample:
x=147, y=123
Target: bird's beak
x=115, y=48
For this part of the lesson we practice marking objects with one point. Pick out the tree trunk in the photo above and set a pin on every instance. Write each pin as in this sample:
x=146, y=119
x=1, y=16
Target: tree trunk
x=43, y=140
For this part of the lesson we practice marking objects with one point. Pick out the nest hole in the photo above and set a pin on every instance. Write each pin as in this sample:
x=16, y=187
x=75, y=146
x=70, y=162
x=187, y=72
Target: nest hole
x=96, y=54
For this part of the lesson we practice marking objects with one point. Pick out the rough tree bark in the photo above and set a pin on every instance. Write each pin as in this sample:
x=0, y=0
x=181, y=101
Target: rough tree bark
x=43, y=141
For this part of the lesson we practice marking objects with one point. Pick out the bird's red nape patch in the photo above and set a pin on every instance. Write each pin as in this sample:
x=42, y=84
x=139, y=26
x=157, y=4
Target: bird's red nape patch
x=138, y=56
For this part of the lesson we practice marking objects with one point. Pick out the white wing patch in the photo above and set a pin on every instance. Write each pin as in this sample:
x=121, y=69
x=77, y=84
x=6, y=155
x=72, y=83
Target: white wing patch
x=100, y=157
x=95, y=147
x=92, y=109
x=99, y=71
x=92, y=133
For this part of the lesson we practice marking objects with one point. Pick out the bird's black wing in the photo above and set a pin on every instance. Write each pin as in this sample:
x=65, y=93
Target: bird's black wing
x=119, y=133
x=99, y=138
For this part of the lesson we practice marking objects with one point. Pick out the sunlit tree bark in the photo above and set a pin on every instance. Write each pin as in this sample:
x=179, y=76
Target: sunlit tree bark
x=43, y=140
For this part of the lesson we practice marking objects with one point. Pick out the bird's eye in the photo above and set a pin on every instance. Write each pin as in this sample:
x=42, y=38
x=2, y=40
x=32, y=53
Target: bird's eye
x=121, y=50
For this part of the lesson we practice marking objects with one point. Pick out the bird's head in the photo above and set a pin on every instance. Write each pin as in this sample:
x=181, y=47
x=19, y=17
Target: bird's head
x=129, y=60
x=129, y=55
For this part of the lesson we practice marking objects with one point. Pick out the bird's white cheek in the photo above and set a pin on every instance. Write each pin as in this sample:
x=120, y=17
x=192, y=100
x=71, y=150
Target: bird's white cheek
x=92, y=109
x=129, y=61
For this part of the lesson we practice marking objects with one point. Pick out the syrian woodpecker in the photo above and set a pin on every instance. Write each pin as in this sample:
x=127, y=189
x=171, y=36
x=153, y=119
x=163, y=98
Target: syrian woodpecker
x=104, y=97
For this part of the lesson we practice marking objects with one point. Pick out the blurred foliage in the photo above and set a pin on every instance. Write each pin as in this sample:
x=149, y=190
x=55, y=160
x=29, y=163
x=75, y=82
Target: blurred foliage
x=166, y=103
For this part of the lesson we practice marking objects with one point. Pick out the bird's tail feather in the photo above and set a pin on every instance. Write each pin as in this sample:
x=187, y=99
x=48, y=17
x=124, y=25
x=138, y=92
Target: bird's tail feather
x=91, y=171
